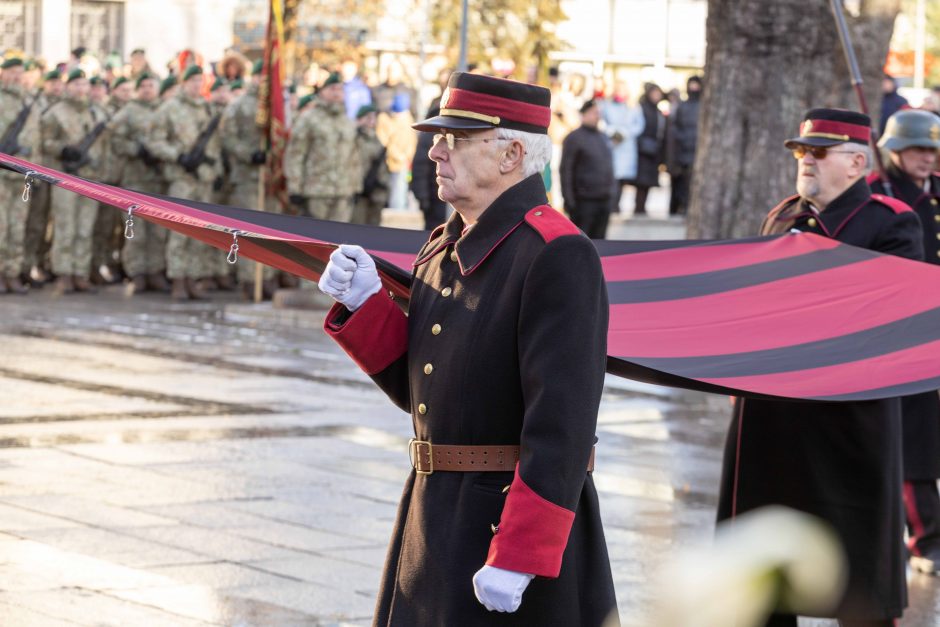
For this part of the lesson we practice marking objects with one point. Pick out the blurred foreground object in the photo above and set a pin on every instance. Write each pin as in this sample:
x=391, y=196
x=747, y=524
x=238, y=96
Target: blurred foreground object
x=773, y=558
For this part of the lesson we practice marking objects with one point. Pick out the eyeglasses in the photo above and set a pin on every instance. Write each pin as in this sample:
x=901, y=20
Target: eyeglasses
x=818, y=152
x=452, y=140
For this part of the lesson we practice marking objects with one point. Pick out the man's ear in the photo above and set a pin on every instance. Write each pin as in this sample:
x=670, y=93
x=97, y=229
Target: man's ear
x=511, y=159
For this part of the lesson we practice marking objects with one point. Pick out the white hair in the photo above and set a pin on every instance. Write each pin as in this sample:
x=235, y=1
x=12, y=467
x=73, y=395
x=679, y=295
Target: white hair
x=869, y=157
x=538, y=149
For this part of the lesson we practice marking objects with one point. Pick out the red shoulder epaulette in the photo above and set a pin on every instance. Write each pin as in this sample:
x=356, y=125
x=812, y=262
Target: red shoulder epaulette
x=897, y=206
x=549, y=223
x=874, y=177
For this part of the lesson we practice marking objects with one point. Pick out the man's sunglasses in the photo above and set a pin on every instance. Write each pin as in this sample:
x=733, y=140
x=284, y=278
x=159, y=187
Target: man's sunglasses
x=818, y=152
x=452, y=140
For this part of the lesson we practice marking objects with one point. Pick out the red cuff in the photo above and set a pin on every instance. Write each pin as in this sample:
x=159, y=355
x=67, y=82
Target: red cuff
x=533, y=533
x=375, y=335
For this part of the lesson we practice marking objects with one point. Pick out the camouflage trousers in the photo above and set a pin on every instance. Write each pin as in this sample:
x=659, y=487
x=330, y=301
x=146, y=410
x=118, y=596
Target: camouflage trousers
x=37, y=239
x=245, y=194
x=145, y=253
x=107, y=237
x=367, y=211
x=13, y=216
x=336, y=208
x=188, y=258
x=73, y=219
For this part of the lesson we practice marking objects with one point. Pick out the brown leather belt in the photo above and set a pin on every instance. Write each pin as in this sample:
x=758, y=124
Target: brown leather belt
x=426, y=458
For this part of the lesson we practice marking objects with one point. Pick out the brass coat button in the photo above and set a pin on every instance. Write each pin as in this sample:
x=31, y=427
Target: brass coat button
x=446, y=292
x=422, y=409
x=934, y=202
x=811, y=222
x=938, y=253
x=936, y=218
x=428, y=368
x=453, y=256
x=538, y=213
x=436, y=329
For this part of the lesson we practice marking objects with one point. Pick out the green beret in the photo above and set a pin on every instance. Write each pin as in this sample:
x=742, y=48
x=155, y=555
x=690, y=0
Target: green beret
x=120, y=80
x=95, y=80
x=191, y=71
x=52, y=75
x=257, y=67
x=237, y=84
x=30, y=64
x=292, y=88
x=365, y=110
x=75, y=74
x=332, y=79
x=303, y=102
x=169, y=81
x=217, y=84
x=11, y=62
x=143, y=77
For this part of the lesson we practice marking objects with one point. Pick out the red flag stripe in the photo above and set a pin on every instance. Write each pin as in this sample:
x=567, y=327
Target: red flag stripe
x=913, y=364
x=710, y=258
x=759, y=322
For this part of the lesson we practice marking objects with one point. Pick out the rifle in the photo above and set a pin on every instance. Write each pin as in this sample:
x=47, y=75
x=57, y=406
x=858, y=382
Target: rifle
x=8, y=143
x=852, y=62
x=83, y=157
x=197, y=154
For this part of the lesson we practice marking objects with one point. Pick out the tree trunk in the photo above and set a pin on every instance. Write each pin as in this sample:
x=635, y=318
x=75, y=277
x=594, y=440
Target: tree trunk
x=767, y=63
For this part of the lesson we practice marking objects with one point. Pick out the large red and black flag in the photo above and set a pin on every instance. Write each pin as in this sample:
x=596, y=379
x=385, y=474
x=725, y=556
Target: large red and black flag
x=796, y=315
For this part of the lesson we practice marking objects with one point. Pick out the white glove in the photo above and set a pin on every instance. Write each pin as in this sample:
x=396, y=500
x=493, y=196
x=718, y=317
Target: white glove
x=350, y=277
x=500, y=590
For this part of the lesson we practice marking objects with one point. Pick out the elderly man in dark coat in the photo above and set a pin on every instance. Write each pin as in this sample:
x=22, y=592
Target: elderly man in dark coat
x=838, y=461
x=508, y=300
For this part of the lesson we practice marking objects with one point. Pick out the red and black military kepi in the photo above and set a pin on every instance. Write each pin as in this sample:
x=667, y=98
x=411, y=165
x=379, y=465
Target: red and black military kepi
x=828, y=127
x=477, y=101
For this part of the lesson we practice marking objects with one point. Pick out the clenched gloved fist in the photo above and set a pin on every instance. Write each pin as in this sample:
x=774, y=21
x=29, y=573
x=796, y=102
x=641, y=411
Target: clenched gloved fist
x=500, y=590
x=350, y=277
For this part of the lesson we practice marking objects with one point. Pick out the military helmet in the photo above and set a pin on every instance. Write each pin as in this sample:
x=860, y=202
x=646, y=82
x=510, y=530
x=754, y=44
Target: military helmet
x=911, y=127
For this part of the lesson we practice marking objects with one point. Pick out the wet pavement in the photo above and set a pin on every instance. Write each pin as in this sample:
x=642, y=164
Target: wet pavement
x=219, y=463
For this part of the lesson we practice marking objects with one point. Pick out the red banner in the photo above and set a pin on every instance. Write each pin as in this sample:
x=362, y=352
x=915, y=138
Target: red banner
x=271, y=112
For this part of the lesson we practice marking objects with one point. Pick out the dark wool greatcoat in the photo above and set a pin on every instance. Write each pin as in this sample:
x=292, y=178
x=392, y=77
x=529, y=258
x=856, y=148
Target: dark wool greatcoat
x=505, y=342
x=838, y=461
x=921, y=412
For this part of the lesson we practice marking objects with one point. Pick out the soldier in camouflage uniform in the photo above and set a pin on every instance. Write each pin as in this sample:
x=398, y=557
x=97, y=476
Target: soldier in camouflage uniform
x=372, y=196
x=105, y=246
x=144, y=255
x=178, y=124
x=242, y=141
x=321, y=162
x=220, y=96
x=64, y=127
x=168, y=88
x=38, y=241
x=13, y=211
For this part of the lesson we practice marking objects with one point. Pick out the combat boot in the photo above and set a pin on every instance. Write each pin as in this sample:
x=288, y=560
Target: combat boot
x=157, y=282
x=179, y=292
x=225, y=283
x=194, y=289
x=64, y=285
x=137, y=285
x=83, y=285
x=15, y=286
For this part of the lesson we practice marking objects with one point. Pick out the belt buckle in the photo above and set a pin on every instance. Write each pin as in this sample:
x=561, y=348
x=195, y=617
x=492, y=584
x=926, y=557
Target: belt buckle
x=415, y=453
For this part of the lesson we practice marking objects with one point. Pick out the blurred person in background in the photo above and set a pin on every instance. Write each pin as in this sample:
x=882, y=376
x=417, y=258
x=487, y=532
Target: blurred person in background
x=649, y=146
x=394, y=131
x=355, y=91
x=891, y=101
x=139, y=65
x=623, y=123
x=681, y=141
x=587, y=174
x=424, y=177
x=395, y=84
x=373, y=197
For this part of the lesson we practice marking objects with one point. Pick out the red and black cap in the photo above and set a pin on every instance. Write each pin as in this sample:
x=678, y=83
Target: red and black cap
x=476, y=101
x=828, y=127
